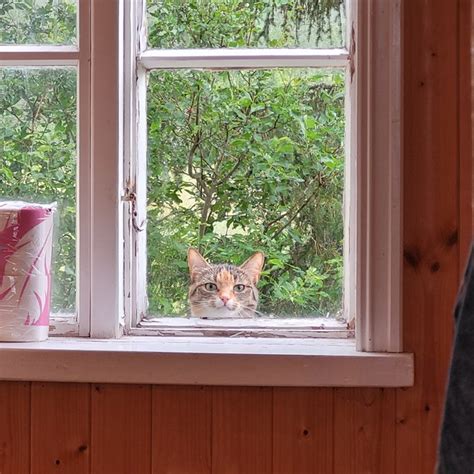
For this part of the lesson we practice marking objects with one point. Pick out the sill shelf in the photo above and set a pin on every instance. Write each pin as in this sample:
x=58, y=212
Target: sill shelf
x=253, y=327
x=205, y=361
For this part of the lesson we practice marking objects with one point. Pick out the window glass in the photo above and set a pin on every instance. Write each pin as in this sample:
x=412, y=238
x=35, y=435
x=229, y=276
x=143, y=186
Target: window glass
x=38, y=22
x=38, y=114
x=246, y=24
x=240, y=161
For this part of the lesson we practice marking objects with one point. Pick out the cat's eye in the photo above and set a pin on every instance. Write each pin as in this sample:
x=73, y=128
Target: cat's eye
x=239, y=288
x=210, y=287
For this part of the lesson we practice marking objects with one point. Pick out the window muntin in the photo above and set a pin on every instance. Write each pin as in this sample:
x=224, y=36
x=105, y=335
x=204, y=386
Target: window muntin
x=38, y=22
x=38, y=125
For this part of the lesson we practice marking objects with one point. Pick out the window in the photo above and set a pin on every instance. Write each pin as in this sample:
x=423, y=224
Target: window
x=112, y=59
x=178, y=64
x=41, y=72
x=245, y=151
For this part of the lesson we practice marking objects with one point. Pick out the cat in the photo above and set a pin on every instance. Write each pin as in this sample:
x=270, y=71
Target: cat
x=223, y=291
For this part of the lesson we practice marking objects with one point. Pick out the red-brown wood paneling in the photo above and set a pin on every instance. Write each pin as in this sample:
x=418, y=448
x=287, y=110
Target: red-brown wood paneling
x=121, y=429
x=14, y=427
x=181, y=433
x=364, y=431
x=431, y=221
x=466, y=111
x=60, y=428
x=241, y=430
x=303, y=430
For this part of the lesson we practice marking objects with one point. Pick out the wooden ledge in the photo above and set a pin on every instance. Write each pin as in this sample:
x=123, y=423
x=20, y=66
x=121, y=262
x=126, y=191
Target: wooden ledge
x=205, y=361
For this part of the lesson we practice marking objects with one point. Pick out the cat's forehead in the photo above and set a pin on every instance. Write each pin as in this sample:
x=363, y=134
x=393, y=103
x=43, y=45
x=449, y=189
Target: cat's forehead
x=226, y=274
x=225, y=277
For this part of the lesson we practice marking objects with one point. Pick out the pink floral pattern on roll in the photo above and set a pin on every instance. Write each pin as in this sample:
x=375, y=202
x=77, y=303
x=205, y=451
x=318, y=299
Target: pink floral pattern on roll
x=25, y=261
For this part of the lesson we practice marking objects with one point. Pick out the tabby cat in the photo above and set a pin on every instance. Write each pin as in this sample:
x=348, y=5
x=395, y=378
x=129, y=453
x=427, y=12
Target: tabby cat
x=223, y=291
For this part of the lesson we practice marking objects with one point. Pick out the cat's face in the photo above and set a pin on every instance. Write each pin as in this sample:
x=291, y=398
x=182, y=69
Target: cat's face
x=223, y=291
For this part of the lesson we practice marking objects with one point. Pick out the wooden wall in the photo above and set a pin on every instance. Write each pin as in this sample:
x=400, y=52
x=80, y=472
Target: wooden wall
x=82, y=428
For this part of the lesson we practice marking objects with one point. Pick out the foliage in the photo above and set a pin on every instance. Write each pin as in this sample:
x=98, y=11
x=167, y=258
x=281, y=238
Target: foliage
x=243, y=161
x=38, y=21
x=38, y=128
x=38, y=156
x=254, y=23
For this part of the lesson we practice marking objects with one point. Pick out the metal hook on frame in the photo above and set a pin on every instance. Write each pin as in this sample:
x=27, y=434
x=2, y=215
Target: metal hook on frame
x=131, y=197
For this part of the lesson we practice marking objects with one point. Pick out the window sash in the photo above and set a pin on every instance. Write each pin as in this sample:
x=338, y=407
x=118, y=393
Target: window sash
x=372, y=197
x=155, y=59
x=78, y=56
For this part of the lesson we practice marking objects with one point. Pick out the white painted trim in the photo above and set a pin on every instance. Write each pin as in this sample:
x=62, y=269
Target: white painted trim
x=378, y=155
x=43, y=49
x=350, y=179
x=83, y=247
x=129, y=150
x=33, y=55
x=241, y=58
x=9, y=61
x=205, y=361
x=106, y=164
x=135, y=166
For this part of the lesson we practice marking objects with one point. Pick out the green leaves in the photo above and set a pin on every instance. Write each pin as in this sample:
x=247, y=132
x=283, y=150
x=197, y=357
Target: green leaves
x=38, y=157
x=33, y=22
x=248, y=160
x=253, y=23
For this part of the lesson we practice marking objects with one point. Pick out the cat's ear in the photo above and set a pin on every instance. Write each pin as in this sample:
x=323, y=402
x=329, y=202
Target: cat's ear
x=253, y=266
x=196, y=261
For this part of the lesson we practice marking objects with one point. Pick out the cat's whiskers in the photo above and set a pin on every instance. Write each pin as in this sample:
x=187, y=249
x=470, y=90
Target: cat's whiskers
x=253, y=310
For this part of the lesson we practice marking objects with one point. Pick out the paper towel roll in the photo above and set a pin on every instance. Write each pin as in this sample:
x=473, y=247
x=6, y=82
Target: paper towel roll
x=26, y=232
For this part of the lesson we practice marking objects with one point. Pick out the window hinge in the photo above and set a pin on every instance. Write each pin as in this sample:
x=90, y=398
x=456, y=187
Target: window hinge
x=131, y=196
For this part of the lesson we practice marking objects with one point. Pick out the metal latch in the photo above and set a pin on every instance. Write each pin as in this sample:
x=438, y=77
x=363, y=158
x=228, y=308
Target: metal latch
x=131, y=197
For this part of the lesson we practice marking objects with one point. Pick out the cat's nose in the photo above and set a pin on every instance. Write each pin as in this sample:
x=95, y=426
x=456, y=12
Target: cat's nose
x=224, y=299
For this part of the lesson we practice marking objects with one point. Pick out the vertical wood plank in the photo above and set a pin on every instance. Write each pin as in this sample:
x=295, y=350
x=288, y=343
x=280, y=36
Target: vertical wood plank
x=303, y=430
x=181, y=430
x=241, y=430
x=60, y=428
x=466, y=112
x=121, y=429
x=364, y=431
x=431, y=222
x=14, y=427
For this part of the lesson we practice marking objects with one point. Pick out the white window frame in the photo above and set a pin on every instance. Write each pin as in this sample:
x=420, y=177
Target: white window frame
x=378, y=323
x=99, y=306
x=140, y=61
x=78, y=56
x=111, y=133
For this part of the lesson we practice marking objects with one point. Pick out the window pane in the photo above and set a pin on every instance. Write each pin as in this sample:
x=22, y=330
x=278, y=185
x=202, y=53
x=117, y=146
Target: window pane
x=38, y=158
x=38, y=22
x=241, y=161
x=246, y=24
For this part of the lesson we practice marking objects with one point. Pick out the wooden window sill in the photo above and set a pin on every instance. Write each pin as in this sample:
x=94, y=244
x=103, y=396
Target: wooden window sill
x=205, y=361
